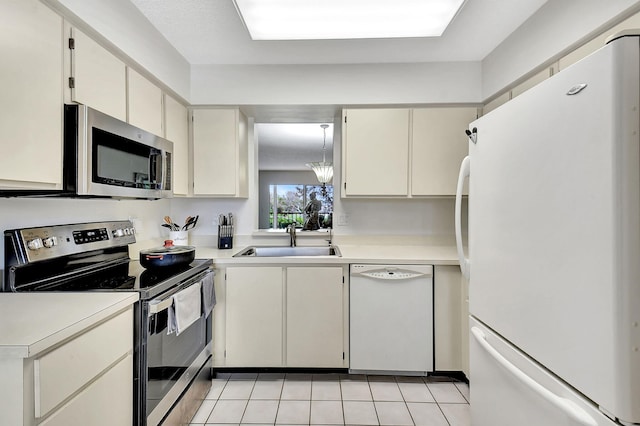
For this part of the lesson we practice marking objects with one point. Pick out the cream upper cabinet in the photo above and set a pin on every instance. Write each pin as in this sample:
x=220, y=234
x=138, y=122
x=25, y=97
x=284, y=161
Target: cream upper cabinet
x=439, y=144
x=220, y=153
x=375, y=152
x=400, y=152
x=254, y=317
x=144, y=102
x=99, y=78
x=32, y=96
x=177, y=131
x=315, y=317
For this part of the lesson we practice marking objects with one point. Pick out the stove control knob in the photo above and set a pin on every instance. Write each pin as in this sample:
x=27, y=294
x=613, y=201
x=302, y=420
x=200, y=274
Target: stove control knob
x=127, y=231
x=35, y=244
x=118, y=233
x=50, y=242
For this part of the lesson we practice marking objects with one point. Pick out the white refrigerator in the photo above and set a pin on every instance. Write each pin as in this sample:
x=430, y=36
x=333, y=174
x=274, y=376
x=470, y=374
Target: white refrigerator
x=554, y=248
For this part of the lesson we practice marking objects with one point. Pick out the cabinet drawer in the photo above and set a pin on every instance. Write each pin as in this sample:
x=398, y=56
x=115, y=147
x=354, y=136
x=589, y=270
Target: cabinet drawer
x=106, y=402
x=65, y=370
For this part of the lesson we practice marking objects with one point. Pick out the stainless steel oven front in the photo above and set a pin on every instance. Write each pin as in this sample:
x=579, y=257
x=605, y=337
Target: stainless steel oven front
x=171, y=364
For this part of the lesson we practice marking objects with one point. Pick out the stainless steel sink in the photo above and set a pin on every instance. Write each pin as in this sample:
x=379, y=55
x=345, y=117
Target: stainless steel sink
x=284, y=251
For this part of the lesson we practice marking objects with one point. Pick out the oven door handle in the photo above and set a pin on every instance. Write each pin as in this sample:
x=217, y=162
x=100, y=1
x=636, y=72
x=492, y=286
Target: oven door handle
x=156, y=306
x=159, y=305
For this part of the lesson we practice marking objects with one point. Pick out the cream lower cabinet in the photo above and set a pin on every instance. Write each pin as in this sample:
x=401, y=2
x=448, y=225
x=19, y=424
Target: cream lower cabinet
x=254, y=320
x=450, y=320
x=220, y=153
x=32, y=100
x=315, y=319
x=281, y=316
x=87, y=380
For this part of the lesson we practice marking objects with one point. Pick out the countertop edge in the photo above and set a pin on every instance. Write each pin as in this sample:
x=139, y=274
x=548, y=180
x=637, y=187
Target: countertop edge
x=28, y=350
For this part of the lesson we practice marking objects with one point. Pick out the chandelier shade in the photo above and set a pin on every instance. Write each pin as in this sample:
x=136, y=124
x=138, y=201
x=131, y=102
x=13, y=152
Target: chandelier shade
x=323, y=169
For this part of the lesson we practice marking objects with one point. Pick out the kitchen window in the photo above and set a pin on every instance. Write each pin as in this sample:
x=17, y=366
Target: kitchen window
x=288, y=201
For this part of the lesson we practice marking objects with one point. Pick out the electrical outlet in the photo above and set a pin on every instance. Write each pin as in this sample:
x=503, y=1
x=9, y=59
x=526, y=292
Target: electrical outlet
x=343, y=219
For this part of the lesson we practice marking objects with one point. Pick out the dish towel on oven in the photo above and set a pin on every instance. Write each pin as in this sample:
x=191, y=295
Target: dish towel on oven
x=208, y=294
x=185, y=310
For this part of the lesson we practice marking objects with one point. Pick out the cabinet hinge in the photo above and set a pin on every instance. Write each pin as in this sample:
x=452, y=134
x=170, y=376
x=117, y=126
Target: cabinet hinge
x=225, y=354
x=345, y=185
x=345, y=118
x=72, y=43
x=342, y=355
x=343, y=279
x=72, y=82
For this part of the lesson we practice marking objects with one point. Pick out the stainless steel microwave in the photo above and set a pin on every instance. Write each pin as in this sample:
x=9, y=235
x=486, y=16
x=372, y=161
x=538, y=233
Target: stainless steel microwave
x=106, y=157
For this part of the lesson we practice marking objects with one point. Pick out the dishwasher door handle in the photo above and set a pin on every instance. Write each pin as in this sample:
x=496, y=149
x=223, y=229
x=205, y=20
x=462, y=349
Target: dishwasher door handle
x=393, y=276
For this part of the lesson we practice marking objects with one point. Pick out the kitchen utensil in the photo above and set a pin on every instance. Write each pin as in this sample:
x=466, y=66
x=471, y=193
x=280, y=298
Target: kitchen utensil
x=190, y=223
x=186, y=222
x=168, y=221
x=166, y=225
x=167, y=255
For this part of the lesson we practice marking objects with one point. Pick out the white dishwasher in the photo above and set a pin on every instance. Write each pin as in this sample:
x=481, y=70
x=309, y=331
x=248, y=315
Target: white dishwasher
x=391, y=319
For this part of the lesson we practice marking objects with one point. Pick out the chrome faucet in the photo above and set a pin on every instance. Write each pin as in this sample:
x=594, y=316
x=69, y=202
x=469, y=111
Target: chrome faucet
x=291, y=230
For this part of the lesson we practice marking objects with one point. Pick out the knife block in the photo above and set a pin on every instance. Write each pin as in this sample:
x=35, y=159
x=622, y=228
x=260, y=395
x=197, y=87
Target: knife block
x=225, y=236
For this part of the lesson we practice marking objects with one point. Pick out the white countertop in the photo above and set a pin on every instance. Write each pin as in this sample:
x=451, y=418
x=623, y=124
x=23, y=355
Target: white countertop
x=33, y=322
x=360, y=253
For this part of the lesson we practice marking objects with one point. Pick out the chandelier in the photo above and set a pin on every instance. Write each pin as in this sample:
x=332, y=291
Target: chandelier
x=323, y=169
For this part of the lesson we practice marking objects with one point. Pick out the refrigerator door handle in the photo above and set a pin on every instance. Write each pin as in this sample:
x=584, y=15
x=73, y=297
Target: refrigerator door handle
x=567, y=406
x=465, y=170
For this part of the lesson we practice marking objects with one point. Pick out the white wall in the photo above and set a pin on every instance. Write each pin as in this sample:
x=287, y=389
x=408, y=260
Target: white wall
x=554, y=30
x=125, y=28
x=356, y=84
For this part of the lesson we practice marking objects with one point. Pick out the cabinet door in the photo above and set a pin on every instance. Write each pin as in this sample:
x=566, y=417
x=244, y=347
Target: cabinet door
x=254, y=317
x=99, y=77
x=105, y=402
x=375, y=152
x=220, y=153
x=438, y=146
x=32, y=102
x=451, y=336
x=315, y=322
x=145, y=103
x=177, y=131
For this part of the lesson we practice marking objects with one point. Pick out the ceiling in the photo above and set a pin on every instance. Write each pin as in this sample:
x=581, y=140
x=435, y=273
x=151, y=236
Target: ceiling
x=288, y=146
x=211, y=32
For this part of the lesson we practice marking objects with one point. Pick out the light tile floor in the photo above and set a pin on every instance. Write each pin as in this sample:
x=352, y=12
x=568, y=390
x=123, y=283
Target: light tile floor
x=333, y=399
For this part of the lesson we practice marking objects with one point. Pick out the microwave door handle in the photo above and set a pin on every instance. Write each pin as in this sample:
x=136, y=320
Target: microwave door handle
x=163, y=174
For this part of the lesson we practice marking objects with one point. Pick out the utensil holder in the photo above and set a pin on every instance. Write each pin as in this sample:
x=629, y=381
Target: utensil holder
x=225, y=236
x=180, y=238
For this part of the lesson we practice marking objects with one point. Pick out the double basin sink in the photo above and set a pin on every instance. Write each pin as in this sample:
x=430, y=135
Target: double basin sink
x=285, y=251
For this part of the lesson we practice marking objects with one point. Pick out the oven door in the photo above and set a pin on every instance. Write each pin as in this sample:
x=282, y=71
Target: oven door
x=172, y=361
